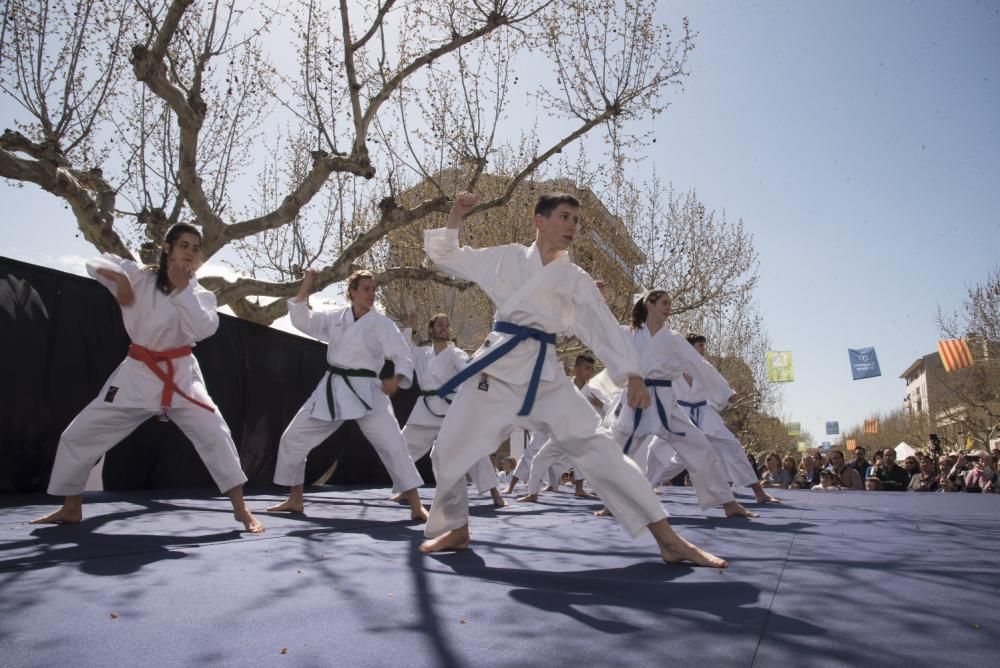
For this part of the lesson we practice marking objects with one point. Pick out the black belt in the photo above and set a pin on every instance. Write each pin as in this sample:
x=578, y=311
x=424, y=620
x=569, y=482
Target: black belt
x=346, y=374
x=432, y=393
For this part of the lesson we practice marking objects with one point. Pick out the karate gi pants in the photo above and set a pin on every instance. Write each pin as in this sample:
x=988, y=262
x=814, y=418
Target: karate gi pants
x=101, y=426
x=420, y=439
x=380, y=428
x=525, y=464
x=696, y=454
x=551, y=457
x=478, y=419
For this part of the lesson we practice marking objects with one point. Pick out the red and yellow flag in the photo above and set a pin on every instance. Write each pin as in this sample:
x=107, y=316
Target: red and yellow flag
x=852, y=444
x=954, y=354
x=871, y=426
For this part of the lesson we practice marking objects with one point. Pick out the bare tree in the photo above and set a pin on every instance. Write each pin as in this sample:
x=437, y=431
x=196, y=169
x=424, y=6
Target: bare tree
x=380, y=98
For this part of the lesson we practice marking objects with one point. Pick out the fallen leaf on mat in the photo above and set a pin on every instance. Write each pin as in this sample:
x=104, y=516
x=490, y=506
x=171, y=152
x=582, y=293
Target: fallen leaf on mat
x=284, y=650
x=463, y=621
x=114, y=615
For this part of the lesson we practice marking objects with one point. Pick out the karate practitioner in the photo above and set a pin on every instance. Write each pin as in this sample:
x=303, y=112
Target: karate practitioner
x=513, y=379
x=665, y=356
x=704, y=412
x=360, y=340
x=523, y=469
x=434, y=365
x=165, y=313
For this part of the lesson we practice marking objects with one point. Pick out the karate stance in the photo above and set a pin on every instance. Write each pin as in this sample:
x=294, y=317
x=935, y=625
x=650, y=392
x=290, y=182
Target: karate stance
x=360, y=340
x=435, y=364
x=165, y=313
x=665, y=356
x=513, y=380
x=664, y=463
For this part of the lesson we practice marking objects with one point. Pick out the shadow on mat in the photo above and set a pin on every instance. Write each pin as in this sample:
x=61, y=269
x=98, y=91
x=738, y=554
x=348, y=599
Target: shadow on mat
x=105, y=554
x=647, y=586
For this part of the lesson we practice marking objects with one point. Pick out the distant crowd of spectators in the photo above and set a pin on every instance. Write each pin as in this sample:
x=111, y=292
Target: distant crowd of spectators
x=973, y=471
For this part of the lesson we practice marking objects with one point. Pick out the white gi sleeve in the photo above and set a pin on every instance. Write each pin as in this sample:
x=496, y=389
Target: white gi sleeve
x=714, y=388
x=196, y=308
x=397, y=349
x=600, y=332
x=479, y=265
x=113, y=263
x=307, y=321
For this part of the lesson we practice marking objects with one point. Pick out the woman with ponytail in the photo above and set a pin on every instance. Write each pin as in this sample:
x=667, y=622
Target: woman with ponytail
x=165, y=313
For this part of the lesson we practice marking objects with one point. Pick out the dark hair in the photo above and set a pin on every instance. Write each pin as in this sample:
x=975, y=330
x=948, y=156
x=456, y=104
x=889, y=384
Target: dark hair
x=434, y=319
x=639, y=310
x=580, y=359
x=173, y=234
x=837, y=452
x=546, y=204
x=355, y=278
x=696, y=338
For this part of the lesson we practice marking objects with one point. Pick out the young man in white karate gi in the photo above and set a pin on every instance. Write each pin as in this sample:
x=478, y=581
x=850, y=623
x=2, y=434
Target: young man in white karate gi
x=165, y=313
x=434, y=365
x=704, y=412
x=515, y=379
x=360, y=340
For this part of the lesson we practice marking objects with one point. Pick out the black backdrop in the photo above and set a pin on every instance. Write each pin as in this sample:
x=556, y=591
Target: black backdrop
x=61, y=336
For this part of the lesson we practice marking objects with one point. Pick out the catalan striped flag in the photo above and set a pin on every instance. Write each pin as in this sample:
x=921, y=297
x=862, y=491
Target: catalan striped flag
x=871, y=426
x=852, y=444
x=954, y=354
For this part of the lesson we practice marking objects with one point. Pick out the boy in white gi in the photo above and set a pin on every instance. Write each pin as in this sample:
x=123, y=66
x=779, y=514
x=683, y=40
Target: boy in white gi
x=704, y=412
x=434, y=365
x=360, y=340
x=664, y=357
x=515, y=380
x=165, y=313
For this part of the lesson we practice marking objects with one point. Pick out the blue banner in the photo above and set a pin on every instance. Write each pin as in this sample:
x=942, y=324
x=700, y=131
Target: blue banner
x=832, y=428
x=864, y=363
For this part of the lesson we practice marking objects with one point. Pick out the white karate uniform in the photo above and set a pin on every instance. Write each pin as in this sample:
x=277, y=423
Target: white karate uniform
x=728, y=447
x=558, y=297
x=132, y=394
x=362, y=344
x=422, y=427
x=525, y=465
x=667, y=356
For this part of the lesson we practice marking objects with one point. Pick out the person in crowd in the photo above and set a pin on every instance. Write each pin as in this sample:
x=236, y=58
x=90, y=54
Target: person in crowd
x=928, y=479
x=791, y=466
x=878, y=459
x=873, y=484
x=892, y=475
x=911, y=465
x=774, y=475
x=827, y=482
x=846, y=476
x=808, y=473
x=860, y=464
x=980, y=477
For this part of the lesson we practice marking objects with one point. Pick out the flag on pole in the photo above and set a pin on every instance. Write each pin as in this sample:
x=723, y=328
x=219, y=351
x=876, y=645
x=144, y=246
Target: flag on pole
x=832, y=428
x=852, y=444
x=954, y=354
x=779, y=366
x=794, y=428
x=864, y=363
x=871, y=426
x=803, y=446
x=969, y=442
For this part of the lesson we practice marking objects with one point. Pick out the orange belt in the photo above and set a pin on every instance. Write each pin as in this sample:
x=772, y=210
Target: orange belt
x=151, y=359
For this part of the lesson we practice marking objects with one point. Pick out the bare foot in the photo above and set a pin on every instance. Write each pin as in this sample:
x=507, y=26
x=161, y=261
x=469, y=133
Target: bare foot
x=767, y=498
x=62, y=516
x=289, y=506
x=498, y=500
x=527, y=498
x=252, y=524
x=680, y=550
x=418, y=513
x=581, y=493
x=549, y=488
x=510, y=489
x=736, y=509
x=603, y=512
x=398, y=498
x=457, y=539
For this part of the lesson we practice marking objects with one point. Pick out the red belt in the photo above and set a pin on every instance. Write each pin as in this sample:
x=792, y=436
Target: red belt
x=151, y=359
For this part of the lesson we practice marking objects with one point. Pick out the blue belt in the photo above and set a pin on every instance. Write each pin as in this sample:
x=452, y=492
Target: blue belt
x=694, y=409
x=654, y=383
x=520, y=333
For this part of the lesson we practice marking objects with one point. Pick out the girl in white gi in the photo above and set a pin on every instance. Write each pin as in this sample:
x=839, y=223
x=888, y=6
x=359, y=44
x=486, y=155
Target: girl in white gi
x=513, y=379
x=165, y=313
x=704, y=412
x=360, y=340
x=524, y=465
x=435, y=364
x=665, y=356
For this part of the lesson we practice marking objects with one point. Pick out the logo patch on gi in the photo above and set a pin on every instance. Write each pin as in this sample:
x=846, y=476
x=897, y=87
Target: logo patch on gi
x=484, y=383
x=110, y=396
x=486, y=343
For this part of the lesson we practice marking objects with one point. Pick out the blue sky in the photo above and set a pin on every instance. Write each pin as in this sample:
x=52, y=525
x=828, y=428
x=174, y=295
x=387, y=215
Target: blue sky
x=859, y=142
